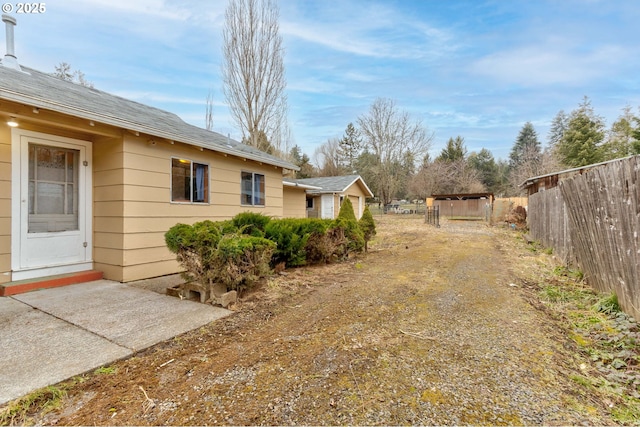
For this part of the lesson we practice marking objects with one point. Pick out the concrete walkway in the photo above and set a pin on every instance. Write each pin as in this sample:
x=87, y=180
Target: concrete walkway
x=50, y=335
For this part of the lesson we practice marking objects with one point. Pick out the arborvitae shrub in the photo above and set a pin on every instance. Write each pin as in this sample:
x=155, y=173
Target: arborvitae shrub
x=291, y=236
x=289, y=244
x=352, y=233
x=251, y=223
x=368, y=226
x=346, y=210
x=216, y=252
x=194, y=246
x=241, y=260
x=235, y=253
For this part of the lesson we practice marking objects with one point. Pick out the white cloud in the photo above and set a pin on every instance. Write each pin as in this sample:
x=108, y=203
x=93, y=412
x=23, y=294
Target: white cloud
x=551, y=64
x=373, y=30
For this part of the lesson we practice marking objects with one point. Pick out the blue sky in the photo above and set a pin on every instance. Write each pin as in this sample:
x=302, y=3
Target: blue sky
x=478, y=69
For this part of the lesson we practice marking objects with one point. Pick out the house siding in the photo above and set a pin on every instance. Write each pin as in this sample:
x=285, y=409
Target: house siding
x=294, y=202
x=5, y=204
x=147, y=211
x=108, y=195
x=131, y=192
x=355, y=193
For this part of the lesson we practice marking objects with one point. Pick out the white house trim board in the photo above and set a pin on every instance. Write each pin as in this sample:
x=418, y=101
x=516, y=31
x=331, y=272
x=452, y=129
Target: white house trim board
x=42, y=253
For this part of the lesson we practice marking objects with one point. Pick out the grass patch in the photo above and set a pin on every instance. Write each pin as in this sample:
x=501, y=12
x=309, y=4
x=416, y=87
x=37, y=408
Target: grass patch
x=40, y=401
x=608, y=304
x=583, y=381
x=607, y=338
x=106, y=370
x=627, y=411
x=564, y=271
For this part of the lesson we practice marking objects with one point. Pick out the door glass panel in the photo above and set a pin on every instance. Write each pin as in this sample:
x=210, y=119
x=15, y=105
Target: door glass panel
x=50, y=198
x=53, y=189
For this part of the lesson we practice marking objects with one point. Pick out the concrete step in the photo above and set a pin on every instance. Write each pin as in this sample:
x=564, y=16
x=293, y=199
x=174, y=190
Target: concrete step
x=22, y=286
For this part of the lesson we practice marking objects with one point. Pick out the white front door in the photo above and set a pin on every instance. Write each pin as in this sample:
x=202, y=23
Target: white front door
x=51, y=205
x=326, y=210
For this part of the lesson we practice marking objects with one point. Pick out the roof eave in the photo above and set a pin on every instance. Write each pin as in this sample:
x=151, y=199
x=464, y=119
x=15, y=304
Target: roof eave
x=133, y=126
x=295, y=184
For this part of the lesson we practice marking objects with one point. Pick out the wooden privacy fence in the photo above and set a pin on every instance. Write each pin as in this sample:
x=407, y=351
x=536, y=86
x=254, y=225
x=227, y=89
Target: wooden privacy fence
x=593, y=220
x=549, y=223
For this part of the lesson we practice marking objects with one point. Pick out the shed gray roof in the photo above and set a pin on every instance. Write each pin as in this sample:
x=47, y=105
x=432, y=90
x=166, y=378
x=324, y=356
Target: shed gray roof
x=37, y=89
x=334, y=184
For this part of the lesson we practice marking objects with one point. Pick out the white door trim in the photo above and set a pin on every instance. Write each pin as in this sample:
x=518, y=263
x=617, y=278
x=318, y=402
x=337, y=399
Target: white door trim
x=327, y=206
x=18, y=172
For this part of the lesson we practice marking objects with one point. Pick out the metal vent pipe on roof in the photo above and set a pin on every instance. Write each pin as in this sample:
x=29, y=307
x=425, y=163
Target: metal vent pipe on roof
x=10, y=60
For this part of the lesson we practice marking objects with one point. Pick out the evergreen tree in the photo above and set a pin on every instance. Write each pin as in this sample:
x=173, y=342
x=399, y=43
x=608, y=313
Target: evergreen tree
x=557, y=129
x=635, y=144
x=526, y=148
x=368, y=226
x=581, y=143
x=303, y=162
x=454, y=150
x=346, y=210
x=485, y=164
x=350, y=145
x=621, y=136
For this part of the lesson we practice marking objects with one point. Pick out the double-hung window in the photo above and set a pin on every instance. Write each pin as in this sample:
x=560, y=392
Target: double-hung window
x=189, y=181
x=252, y=189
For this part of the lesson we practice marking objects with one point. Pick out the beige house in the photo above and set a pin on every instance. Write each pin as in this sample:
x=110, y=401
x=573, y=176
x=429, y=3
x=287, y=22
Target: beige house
x=91, y=181
x=295, y=198
x=325, y=199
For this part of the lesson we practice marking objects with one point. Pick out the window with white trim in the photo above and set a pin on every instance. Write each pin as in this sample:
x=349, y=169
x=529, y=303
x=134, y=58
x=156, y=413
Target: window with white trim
x=252, y=189
x=189, y=181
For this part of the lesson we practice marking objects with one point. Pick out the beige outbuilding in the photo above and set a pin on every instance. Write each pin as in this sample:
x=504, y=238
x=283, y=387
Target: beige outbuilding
x=325, y=199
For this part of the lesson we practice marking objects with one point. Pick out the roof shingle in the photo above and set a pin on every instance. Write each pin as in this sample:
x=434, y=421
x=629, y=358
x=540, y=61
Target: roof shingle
x=45, y=91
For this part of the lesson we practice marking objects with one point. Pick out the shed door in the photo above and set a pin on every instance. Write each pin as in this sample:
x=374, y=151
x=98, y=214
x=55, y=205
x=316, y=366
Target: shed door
x=327, y=206
x=53, y=230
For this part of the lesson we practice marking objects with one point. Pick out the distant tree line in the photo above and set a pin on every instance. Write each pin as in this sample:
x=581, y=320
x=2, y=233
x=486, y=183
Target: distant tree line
x=390, y=151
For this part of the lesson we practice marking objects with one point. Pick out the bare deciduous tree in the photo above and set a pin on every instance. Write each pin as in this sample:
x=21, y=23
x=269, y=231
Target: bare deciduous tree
x=208, y=117
x=534, y=164
x=442, y=177
x=253, y=71
x=63, y=71
x=390, y=135
x=327, y=158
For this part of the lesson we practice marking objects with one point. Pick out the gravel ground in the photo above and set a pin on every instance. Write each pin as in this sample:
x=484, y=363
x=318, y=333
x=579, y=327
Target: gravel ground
x=431, y=327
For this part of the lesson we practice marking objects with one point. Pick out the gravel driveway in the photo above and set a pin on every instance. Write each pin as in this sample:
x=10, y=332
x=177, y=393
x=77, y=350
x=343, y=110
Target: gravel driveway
x=428, y=328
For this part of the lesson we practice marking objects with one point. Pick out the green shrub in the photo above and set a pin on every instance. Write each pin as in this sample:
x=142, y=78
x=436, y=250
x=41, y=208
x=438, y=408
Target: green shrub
x=367, y=226
x=326, y=247
x=291, y=236
x=194, y=246
x=251, y=223
x=178, y=236
x=217, y=252
x=289, y=243
x=241, y=260
x=353, y=237
x=346, y=210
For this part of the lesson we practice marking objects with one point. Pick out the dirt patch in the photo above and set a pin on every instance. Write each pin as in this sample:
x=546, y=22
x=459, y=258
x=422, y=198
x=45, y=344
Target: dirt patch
x=425, y=329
